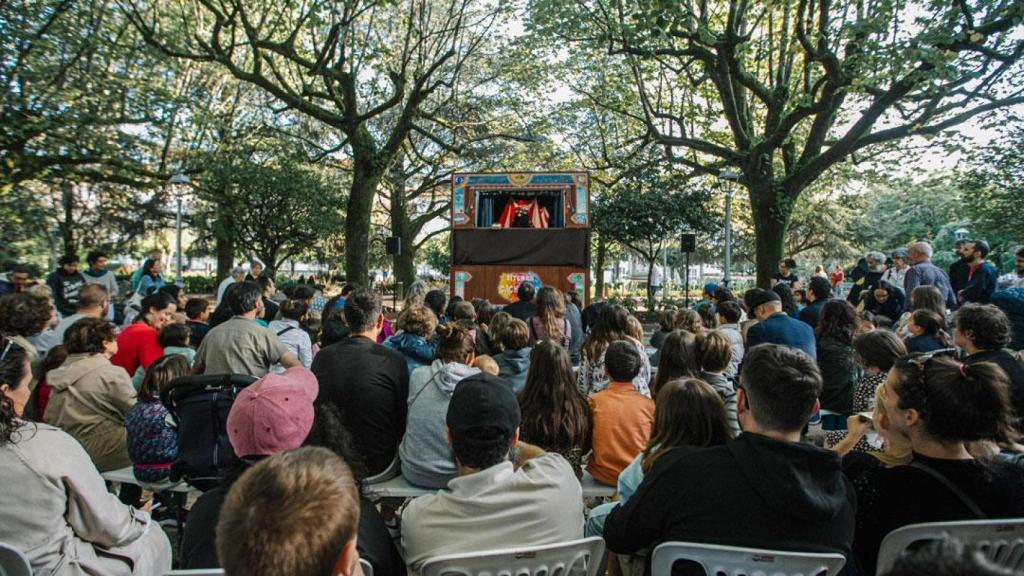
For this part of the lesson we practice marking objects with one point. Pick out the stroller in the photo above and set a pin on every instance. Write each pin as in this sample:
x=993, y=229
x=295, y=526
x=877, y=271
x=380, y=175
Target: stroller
x=200, y=405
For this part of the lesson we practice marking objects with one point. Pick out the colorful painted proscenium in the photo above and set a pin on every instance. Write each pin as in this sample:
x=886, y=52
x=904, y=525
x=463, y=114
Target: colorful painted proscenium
x=510, y=228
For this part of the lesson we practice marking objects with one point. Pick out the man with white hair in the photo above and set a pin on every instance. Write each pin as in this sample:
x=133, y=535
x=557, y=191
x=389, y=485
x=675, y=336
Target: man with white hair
x=923, y=273
x=237, y=275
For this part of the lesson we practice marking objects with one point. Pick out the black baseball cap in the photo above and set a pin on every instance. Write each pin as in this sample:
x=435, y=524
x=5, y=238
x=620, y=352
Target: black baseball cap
x=763, y=297
x=482, y=409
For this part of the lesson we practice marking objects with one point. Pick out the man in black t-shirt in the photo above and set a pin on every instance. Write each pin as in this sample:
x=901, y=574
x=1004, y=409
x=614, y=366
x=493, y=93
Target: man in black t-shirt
x=369, y=383
x=785, y=274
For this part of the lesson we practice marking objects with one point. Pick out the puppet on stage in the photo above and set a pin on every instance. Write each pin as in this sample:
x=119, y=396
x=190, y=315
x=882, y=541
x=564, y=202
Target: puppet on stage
x=524, y=213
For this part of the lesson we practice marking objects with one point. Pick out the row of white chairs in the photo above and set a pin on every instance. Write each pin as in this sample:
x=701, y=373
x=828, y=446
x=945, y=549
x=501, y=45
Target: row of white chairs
x=1001, y=542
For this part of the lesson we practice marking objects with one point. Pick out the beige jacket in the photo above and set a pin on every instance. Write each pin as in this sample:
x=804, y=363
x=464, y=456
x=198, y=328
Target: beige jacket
x=55, y=508
x=89, y=401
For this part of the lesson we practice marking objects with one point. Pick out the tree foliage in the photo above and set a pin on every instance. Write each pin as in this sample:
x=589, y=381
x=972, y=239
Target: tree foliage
x=377, y=71
x=279, y=208
x=782, y=91
x=648, y=212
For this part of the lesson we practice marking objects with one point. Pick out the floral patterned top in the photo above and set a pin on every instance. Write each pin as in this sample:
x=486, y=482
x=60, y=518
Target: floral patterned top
x=152, y=441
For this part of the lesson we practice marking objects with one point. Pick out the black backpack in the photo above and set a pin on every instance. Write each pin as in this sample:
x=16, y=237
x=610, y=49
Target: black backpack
x=200, y=405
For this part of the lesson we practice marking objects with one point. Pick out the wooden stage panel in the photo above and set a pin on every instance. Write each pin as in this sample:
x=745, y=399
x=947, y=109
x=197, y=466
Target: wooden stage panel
x=498, y=283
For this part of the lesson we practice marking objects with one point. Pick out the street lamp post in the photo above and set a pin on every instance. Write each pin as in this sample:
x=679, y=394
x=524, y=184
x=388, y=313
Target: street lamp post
x=729, y=176
x=179, y=179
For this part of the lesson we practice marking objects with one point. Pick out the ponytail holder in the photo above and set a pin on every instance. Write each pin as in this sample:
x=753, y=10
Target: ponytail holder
x=963, y=370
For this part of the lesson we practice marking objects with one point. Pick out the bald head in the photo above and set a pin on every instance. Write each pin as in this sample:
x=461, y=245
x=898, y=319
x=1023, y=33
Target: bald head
x=919, y=252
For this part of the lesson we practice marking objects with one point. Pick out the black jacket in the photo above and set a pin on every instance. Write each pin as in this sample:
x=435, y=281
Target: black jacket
x=522, y=310
x=754, y=491
x=839, y=373
x=369, y=384
x=889, y=498
x=958, y=272
x=981, y=285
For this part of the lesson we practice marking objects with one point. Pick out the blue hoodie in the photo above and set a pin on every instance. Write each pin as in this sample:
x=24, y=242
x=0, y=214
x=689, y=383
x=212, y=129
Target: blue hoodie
x=418, y=351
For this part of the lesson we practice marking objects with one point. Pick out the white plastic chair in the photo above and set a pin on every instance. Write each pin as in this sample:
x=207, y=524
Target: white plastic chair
x=720, y=560
x=576, y=558
x=13, y=562
x=1001, y=541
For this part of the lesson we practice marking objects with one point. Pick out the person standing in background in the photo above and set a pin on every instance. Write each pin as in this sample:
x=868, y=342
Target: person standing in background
x=97, y=273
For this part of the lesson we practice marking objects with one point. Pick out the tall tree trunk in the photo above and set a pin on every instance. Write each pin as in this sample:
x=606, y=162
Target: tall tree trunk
x=772, y=212
x=650, y=276
x=401, y=225
x=225, y=247
x=357, y=222
x=67, y=233
x=602, y=253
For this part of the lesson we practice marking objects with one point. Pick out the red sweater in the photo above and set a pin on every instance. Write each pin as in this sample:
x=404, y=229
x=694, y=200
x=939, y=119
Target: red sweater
x=137, y=345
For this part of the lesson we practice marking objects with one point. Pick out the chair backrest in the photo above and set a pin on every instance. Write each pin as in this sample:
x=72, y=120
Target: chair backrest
x=13, y=562
x=1001, y=541
x=200, y=406
x=720, y=560
x=367, y=567
x=576, y=558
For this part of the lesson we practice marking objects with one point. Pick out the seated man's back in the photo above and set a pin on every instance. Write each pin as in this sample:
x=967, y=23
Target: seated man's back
x=765, y=489
x=369, y=383
x=492, y=505
x=755, y=492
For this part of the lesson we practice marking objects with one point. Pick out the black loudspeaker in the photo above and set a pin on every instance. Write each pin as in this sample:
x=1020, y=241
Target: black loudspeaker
x=689, y=243
x=393, y=246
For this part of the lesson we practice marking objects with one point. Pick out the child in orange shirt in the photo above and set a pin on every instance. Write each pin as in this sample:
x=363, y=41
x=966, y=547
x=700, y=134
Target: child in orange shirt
x=622, y=416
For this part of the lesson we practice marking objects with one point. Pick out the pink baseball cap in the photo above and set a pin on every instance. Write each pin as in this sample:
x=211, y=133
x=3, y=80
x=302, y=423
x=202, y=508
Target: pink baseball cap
x=273, y=414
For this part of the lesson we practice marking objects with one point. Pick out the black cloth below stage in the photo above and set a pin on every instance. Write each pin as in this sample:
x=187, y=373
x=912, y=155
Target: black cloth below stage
x=515, y=246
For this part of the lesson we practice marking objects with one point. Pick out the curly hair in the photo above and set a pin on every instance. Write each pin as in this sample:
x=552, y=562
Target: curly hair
x=985, y=325
x=89, y=336
x=838, y=320
x=24, y=314
x=13, y=367
x=417, y=319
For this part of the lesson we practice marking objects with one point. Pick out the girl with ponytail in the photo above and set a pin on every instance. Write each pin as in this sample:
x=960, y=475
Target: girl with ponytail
x=937, y=406
x=927, y=332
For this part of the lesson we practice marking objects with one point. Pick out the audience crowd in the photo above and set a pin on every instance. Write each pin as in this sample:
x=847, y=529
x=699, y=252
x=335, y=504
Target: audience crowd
x=785, y=418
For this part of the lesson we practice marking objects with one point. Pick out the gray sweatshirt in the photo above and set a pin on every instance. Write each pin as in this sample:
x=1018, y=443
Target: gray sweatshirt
x=426, y=456
x=725, y=389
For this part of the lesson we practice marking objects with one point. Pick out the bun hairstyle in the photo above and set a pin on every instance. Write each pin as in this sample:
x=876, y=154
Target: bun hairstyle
x=12, y=371
x=457, y=343
x=932, y=324
x=957, y=402
x=89, y=336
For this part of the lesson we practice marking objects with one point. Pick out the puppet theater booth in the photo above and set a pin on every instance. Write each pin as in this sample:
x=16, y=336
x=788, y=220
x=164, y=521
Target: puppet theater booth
x=520, y=227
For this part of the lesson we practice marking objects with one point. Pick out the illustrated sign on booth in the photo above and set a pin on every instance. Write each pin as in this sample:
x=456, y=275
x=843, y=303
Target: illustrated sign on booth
x=461, y=278
x=509, y=282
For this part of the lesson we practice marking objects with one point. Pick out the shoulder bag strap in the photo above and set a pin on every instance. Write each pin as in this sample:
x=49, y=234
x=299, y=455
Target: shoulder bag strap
x=964, y=498
x=286, y=330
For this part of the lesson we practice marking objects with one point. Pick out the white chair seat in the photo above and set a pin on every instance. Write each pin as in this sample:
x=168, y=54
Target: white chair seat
x=1001, y=541
x=13, y=562
x=734, y=561
x=576, y=558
